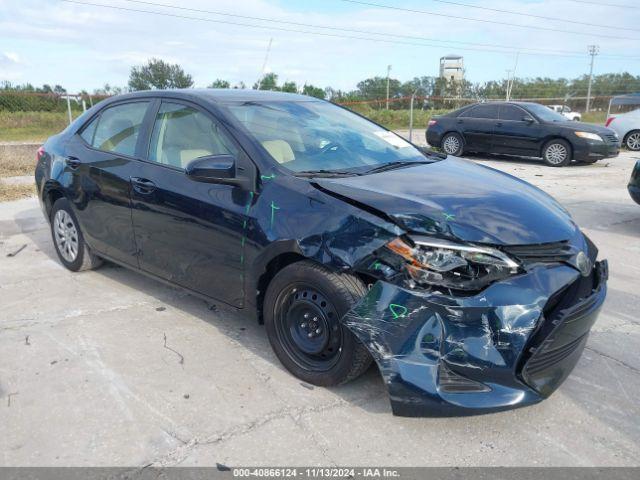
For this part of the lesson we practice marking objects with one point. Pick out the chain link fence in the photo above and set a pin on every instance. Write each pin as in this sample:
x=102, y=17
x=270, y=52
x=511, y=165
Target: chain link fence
x=35, y=116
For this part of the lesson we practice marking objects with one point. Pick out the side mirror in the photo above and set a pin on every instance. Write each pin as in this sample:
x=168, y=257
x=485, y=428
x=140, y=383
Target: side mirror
x=528, y=119
x=216, y=169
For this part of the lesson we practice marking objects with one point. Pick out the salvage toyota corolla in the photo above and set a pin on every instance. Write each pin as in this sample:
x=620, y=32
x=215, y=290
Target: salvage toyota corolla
x=472, y=290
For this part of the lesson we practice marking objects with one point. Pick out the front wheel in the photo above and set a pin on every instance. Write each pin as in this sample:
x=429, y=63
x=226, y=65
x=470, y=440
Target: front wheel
x=453, y=144
x=557, y=153
x=632, y=140
x=303, y=306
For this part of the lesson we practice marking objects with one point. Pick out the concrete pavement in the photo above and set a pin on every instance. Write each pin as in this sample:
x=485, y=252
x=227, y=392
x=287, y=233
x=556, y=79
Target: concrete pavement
x=109, y=368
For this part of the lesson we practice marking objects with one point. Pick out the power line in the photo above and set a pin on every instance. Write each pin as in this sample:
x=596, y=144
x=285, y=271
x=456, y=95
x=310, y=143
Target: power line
x=441, y=44
x=351, y=30
x=600, y=4
x=482, y=20
x=523, y=14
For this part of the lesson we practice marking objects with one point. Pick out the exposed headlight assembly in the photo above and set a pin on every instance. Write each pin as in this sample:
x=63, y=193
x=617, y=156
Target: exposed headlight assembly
x=589, y=136
x=436, y=262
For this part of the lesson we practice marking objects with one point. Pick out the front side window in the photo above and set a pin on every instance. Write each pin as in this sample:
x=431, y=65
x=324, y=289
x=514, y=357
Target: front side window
x=305, y=136
x=117, y=128
x=509, y=112
x=182, y=134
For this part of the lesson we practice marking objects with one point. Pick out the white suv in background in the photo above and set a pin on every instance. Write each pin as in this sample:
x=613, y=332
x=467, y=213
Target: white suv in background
x=566, y=112
x=627, y=126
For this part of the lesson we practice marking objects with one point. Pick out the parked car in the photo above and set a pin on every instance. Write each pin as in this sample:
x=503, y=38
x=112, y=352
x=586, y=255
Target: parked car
x=472, y=290
x=520, y=128
x=566, y=112
x=634, y=183
x=627, y=126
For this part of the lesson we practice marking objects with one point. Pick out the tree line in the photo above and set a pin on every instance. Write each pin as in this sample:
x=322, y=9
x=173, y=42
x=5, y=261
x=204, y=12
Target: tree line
x=433, y=92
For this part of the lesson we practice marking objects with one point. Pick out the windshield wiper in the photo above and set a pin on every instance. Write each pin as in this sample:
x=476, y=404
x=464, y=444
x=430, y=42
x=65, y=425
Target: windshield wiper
x=325, y=173
x=393, y=165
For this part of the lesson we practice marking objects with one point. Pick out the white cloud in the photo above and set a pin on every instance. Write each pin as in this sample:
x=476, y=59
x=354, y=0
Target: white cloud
x=82, y=47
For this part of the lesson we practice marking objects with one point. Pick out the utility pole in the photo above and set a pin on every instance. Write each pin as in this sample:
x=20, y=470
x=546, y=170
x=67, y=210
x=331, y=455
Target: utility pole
x=593, y=51
x=264, y=64
x=508, y=83
x=388, y=73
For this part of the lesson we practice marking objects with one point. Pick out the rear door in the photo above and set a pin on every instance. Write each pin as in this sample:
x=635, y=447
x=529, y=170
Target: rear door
x=189, y=232
x=103, y=157
x=514, y=135
x=477, y=127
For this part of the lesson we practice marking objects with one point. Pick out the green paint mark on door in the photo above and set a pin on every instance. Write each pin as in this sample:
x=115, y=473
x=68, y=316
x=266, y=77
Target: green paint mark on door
x=274, y=207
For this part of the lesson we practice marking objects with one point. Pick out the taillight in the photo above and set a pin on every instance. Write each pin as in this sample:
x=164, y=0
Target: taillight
x=40, y=154
x=432, y=122
x=609, y=120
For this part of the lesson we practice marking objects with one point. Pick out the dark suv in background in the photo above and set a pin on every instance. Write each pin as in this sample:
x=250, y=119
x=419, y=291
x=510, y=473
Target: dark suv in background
x=520, y=128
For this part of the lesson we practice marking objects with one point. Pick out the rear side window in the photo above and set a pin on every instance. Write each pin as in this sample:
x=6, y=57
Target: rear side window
x=482, y=111
x=117, y=128
x=509, y=112
x=182, y=134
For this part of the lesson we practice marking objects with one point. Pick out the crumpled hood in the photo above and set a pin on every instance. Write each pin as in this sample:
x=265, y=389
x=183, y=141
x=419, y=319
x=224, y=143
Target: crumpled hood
x=459, y=198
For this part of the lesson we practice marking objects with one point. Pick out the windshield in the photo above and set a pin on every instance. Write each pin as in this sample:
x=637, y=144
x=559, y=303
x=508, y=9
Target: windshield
x=312, y=136
x=544, y=113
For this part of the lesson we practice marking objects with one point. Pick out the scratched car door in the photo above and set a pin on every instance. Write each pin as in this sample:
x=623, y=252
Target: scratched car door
x=188, y=232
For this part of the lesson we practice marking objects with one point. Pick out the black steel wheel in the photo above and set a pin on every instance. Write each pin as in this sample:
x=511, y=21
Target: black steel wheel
x=308, y=328
x=303, y=307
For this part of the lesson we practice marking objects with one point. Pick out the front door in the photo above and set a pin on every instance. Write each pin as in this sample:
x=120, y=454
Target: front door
x=514, y=135
x=189, y=232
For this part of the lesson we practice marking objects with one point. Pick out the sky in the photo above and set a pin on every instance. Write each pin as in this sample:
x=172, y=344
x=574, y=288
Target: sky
x=83, y=47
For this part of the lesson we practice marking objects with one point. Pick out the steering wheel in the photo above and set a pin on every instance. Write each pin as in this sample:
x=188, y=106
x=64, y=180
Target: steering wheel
x=330, y=147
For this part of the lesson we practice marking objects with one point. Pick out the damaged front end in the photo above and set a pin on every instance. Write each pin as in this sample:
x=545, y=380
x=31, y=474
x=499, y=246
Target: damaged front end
x=464, y=329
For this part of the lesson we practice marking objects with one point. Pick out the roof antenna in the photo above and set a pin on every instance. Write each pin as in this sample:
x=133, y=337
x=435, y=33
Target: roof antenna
x=264, y=64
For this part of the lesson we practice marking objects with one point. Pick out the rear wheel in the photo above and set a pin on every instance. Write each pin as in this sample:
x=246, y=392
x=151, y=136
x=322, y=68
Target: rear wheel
x=453, y=144
x=557, y=153
x=302, y=310
x=68, y=241
x=632, y=140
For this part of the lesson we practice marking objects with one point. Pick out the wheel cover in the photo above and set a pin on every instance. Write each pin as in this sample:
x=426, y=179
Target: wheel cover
x=451, y=144
x=633, y=141
x=307, y=326
x=66, y=235
x=556, y=153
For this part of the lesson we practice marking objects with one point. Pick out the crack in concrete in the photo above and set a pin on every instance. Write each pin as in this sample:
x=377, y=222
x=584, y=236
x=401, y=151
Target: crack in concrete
x=624, y=364
x=179, y=454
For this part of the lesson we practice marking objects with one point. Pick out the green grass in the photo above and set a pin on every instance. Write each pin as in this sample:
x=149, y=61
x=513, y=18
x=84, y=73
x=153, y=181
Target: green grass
x=595, y=117
x=398, y=119
x=38, y=126
x=31, y=126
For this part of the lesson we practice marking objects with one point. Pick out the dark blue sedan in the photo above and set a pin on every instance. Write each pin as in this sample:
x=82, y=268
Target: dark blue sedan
x=473, y=291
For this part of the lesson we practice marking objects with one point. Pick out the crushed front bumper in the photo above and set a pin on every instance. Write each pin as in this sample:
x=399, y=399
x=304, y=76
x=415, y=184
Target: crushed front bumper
x=511, y=345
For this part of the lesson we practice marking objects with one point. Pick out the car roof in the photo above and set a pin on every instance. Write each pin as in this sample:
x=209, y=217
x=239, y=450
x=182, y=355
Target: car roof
x=220, y=95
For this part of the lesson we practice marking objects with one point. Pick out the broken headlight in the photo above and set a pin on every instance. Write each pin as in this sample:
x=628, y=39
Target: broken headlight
x=456, y=266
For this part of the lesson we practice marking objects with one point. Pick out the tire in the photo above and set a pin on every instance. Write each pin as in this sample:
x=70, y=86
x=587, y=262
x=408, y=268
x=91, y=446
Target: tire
x=453, y=144
x=306, y=299
x=68, y=241
x=632, y=140
x=557, y=153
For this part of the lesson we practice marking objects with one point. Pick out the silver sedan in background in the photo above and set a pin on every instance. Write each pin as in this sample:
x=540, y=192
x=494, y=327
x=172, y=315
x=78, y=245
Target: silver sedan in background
x=627, y=126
